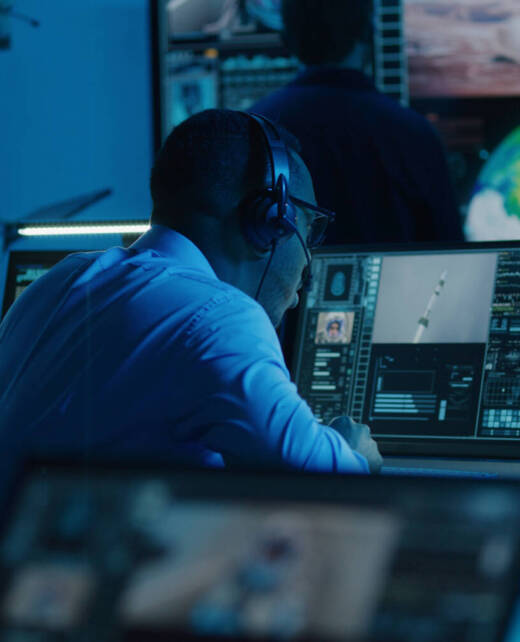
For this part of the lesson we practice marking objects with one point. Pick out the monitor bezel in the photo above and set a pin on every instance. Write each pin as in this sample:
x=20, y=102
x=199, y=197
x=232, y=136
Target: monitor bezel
x=483, y=448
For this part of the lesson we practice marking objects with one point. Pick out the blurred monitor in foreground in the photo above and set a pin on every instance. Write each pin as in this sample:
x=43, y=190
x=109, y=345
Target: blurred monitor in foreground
x=136, y=554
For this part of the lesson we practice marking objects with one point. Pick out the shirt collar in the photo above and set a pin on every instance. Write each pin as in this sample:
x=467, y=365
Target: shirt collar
x=175, y=246
x=331, y=76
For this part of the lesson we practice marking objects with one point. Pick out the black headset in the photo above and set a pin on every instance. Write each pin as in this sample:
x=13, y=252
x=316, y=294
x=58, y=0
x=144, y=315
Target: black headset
x=269, y=215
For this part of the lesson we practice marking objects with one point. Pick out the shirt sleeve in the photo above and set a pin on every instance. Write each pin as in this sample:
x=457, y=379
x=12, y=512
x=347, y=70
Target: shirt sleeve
x=248, y=409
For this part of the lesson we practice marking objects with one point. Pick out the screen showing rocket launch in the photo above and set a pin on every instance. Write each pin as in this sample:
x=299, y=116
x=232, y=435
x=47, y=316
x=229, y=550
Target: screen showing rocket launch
x=423, y=346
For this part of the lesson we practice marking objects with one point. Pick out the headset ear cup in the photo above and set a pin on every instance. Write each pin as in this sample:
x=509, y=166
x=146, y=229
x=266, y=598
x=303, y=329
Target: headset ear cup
x=268, y=217
x=256, y=232
x=261, y=223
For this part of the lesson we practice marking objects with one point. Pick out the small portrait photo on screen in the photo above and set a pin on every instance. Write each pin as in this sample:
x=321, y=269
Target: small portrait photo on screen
x=334, y=327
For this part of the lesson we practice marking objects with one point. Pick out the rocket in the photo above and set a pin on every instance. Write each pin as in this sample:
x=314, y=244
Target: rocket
x=424, y=321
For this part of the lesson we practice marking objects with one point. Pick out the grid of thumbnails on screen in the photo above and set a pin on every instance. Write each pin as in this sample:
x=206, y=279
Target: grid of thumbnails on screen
x=418, y=344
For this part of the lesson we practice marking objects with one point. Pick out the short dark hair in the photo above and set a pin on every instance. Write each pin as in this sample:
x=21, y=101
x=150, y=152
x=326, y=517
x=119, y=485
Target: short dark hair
x=325, y=31
x=208, y=164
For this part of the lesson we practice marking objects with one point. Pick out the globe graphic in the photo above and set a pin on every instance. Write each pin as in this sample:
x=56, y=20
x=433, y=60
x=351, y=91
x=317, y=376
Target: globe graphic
x=494, y=210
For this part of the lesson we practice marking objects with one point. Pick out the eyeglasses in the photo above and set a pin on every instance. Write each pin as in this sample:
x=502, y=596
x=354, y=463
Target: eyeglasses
x=321, y=218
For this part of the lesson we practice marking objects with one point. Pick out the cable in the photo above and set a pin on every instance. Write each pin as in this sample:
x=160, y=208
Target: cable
x=273, y=248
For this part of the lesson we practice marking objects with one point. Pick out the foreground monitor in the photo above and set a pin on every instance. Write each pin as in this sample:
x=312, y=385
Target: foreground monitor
x=142, y=554
x=422, y=344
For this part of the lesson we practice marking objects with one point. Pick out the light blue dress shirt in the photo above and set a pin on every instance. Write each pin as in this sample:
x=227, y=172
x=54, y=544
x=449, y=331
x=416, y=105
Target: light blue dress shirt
x=145, y=352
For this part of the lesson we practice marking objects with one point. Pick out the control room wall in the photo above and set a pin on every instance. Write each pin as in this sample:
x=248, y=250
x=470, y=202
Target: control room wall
x=76, y=110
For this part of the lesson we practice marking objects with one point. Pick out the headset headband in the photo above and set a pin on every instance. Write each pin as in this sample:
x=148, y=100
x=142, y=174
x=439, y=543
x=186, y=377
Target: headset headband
x=274, y=216
x=276, y=147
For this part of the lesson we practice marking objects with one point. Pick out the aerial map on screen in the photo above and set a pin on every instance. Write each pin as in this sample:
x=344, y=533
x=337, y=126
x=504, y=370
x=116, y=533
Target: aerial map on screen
x=463, y=48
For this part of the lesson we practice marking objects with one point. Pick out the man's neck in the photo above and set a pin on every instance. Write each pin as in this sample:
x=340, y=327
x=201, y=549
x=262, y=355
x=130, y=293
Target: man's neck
x=228, y=254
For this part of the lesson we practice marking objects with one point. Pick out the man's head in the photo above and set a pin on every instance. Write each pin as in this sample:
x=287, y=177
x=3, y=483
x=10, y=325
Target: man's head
x=321, y=32
x=201, y=186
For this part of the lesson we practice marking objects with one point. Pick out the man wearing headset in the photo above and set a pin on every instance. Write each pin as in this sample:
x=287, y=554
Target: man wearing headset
x=160, y=350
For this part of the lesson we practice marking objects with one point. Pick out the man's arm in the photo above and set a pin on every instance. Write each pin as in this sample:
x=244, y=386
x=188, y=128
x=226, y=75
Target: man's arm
x=251, y=411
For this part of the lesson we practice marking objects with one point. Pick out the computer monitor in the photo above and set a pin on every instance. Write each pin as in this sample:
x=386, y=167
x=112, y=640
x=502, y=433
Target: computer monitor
x=463, y=48
x=422, y=343
x=143, y=553
x=24, y=267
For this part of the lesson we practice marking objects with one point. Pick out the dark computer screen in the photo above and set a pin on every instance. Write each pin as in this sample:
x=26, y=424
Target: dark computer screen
x=24, y=268
x=422, y=345
x=144, y=554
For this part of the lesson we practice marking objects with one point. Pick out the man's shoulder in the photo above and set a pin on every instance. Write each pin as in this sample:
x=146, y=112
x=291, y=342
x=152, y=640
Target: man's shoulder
x=224, y=309
x=302, y=105
x=401, y=114
x=180, y=290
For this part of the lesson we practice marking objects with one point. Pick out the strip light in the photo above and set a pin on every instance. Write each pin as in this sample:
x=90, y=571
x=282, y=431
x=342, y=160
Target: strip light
x=88, y=228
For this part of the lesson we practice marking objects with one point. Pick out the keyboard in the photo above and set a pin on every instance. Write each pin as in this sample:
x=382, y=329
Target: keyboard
x=436, y=472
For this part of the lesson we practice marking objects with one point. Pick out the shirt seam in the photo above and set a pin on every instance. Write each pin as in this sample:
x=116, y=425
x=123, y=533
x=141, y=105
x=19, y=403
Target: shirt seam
x=215, y=301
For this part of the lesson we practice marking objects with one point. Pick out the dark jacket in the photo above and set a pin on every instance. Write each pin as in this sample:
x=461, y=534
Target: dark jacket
x=380, y=166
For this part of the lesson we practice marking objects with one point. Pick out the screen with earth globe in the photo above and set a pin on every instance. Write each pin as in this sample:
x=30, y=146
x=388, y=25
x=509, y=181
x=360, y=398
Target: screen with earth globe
x=494, y=210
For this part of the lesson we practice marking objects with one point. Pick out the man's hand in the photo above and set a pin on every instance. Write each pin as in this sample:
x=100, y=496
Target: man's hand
x=359, y=439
